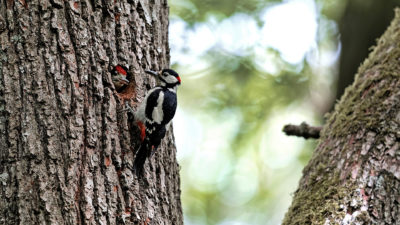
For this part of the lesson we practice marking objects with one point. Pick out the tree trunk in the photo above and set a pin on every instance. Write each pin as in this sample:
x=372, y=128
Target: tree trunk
x=363, y=21
x=354, y=174
x=66, y=145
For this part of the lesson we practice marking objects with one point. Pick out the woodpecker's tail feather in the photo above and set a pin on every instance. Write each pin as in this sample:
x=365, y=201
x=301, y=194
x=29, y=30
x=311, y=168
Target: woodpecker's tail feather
x=142, y=154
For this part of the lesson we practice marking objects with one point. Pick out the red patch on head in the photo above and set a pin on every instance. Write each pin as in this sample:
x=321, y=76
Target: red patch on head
x=120, y=70
x=179, y=79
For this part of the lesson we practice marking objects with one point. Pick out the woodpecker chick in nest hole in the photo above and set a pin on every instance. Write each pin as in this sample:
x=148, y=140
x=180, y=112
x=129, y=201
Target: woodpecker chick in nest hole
x=119, y=77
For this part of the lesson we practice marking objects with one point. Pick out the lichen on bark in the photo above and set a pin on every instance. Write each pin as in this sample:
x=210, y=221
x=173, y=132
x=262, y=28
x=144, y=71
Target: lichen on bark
x=353, y=176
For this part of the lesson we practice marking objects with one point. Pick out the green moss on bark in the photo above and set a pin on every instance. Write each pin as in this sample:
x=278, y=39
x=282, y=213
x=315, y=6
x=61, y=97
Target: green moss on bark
x=381, y=68
x=320, y=198
x=358, y=147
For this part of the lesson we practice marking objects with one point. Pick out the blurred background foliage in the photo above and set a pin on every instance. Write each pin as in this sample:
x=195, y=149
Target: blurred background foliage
x=249, y=67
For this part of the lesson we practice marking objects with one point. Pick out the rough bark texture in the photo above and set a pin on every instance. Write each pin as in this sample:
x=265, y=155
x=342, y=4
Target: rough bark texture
x=66, y=146
x=354, y=174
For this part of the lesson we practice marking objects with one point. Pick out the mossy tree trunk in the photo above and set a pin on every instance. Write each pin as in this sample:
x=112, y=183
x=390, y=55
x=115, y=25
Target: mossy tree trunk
x=363, y=21
x=66, y=145
x=354, y=174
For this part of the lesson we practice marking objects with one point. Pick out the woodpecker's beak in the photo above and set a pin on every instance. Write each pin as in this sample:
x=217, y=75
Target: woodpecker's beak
x=124, y=79
x=151, y=72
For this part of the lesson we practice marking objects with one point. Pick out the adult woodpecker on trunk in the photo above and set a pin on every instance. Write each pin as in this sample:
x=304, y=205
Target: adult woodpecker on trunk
x=155, y=114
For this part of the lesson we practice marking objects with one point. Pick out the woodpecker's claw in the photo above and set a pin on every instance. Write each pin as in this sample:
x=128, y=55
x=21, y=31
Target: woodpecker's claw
x=128, y=108
x=151, y=72
x=152, y=151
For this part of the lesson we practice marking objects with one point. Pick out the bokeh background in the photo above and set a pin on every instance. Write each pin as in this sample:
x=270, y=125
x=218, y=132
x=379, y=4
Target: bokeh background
x=249, y=67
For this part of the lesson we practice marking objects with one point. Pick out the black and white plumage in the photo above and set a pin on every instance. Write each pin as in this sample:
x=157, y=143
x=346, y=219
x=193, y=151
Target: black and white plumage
x=155, y=114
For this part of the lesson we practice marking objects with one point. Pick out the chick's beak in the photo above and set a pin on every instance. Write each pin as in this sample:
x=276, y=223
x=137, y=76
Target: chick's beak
x=151, y=72
x=124, y=79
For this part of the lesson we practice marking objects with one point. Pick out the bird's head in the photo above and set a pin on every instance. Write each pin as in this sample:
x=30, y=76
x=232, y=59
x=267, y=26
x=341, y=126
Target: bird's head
x=119, y=76
x=168, y=77
x=120, y=71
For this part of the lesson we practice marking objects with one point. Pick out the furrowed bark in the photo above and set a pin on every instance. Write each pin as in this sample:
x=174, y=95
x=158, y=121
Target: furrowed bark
x=66, y=145
x=354, y=174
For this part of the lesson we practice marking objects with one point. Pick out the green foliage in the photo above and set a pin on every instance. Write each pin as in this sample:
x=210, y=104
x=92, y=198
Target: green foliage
x=233, y=174
x=195, y=11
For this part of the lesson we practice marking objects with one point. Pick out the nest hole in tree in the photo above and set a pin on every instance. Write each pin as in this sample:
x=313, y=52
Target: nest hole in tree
x=128, y=92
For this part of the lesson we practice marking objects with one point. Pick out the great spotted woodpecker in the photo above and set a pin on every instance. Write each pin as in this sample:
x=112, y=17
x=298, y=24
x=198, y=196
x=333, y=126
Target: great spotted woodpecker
x=155, y=114
x=119, y=77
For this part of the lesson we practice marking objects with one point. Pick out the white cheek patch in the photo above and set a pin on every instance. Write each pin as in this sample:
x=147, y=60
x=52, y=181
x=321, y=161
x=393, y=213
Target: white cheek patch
x=170, y=79
x=158, y=114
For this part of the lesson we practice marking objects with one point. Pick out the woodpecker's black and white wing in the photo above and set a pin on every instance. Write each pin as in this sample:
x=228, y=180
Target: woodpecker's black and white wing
x=169, y=105
x=158, y=110
x=155, y=113
x=140, y=114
